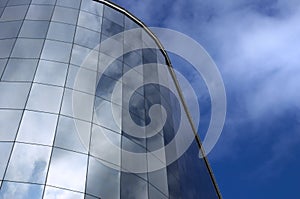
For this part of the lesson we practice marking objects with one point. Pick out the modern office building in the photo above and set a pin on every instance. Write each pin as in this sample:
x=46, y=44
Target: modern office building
x=74, y=124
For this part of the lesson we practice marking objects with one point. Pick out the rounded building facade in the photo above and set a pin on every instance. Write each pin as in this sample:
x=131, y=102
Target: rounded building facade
x=80, y=85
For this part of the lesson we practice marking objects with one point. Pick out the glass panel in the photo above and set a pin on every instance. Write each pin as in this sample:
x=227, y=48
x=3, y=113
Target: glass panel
x=69, y=3
x=90, y=21
x=20, y=70
x=106, y=145
x=82, y=79
x=61, y=32
x=9, y=29
x=103, y=114
x=103, y=181
x=65, y=15
x=57, y=51
x=22, y=46
x=67, y=170
x=159, y=179
x=115, y=48
x=73, y=134
x=83, y=103
x=87, y=38
x=114, y=15
x=39, y=12
x=23, y=191
x=6, y=46
x=149, y=56
x=128, y=191
x=80, y=54
x=55, y=193
x=13, y=95
x=14, y=13
x=18, y=2
x=28, y=163
x=133, y=58
x=45, y=98
x=34, y=29
x=3, y=3
x=110, y=28
x=9, y=123
x=115, y=70
x=86, y=196
x=51, y=73
x=5, y=149
x=155, y=194
x=92, y=7
x=106, y=86
x=38, y=128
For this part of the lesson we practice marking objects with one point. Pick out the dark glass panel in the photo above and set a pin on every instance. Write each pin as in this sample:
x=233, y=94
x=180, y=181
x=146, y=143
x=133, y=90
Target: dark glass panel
x=34, y=29
x=114, y=15
x=69, y=3
x=6, y=46
x=9, y=29
x=138, y=191
x=14, y=13
x=87, y=38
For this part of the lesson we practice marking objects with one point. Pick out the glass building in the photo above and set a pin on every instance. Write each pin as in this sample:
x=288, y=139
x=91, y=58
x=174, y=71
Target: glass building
x=73, y=124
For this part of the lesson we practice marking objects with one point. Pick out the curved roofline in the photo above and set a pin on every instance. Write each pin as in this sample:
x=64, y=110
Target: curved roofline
x=198, y=140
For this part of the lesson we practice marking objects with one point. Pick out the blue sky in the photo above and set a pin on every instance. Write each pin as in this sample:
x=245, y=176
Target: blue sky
x=255, y=44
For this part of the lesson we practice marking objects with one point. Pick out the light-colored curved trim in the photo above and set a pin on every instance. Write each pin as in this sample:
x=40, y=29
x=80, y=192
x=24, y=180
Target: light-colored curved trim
x=139, y=22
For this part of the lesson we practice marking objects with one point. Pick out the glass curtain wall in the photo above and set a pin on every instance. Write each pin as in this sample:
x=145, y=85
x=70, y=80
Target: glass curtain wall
x=56, y=129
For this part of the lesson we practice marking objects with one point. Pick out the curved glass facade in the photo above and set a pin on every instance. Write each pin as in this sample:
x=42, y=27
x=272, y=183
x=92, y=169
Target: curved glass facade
x=60, y=62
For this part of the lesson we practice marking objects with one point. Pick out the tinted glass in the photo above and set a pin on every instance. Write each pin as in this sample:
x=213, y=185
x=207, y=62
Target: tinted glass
x=39, y=12
x=14, y=13
x=13, y=95
x=57, y=51
x=61, y=32
x=12, y=189
x=9, y=124
x=34, y=29
x=9, y=29
x=20, y=70
x=65, y=15
x=22, y=46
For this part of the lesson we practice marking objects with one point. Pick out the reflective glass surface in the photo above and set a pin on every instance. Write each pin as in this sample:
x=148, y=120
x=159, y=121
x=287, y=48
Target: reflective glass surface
x=13, y=95
x=53, y=73
x=72, y=166
x=9, y=124
x=57, y=51
x=9, y=29
x=27, y=48
x=13, y=13
x=45, y=98
x=21, y=190
x=37, y=128
x=39, y=12
x=34, y=29
x=65, y=15
x=61, y=32
x=28, y=163
x=20, y=70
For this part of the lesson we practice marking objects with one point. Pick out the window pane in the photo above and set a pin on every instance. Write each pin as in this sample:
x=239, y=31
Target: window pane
x=12, y=189
x=13, y=95
x=57, y=51
x=65, y=15
x=39, y=12
x=6, y=47
x=80, y=55
x=9, y=123
x=34, y=29
x=106, y=145
x=154, y=193
x=20, y=70
x=45, y=98
x=103, y=114
x=114, y=70
x=61, y=32
x=38, y=128
x=92, y=7
x=140, y=186
x=103, y=181
x=28, y=163
x=87, y=38
x=159, y=179
x=14, y=13
x=81, y=79
x=55, y=193
x=51, y=73
x=69, y=3
x=5, y=149
x=73, y=134
x=114, y=15
x=27, y=48
x=67, y=170
x=110, y=28
x=90, y=21
x=9, y=29
x=83, y=103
